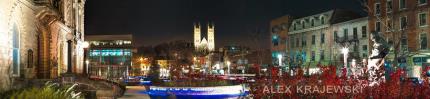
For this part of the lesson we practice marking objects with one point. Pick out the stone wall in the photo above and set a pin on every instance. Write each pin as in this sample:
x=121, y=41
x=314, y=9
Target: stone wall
x=19, y=13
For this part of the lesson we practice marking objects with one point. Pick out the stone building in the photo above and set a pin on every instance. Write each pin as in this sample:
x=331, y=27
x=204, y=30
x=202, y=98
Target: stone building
x=311, y=41
x=207, y=43
x=354, y=35
x=404, y=23
x=33, y=39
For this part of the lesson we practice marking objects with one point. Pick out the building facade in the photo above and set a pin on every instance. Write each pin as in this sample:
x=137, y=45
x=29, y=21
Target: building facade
x=109, y=56
x=235, y=56
x=203, y=43
x=311, y=39
x=354, y=36
x=34, y=35
x=404, y=24
x=279, y=30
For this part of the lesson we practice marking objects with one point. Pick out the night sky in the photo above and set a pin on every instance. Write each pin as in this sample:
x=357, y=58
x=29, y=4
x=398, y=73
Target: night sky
x=155, y=21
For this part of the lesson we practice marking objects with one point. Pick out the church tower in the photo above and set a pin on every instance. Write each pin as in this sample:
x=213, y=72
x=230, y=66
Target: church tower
x=211, y=36
x=197, y=34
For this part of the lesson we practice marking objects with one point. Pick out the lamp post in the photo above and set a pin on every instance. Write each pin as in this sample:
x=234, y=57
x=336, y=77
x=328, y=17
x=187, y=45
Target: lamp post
x=280, y=64
x=345, y=59
x=87, y=62
x=280, y=60
x=194, y=64
x=69, y=38
x=228, y=67
x=85, y=46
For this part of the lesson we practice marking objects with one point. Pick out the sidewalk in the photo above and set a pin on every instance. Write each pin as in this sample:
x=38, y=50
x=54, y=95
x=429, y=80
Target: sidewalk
x=133, y=93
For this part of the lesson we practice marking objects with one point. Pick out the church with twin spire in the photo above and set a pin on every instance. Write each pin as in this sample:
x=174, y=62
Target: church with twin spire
x=202, y=43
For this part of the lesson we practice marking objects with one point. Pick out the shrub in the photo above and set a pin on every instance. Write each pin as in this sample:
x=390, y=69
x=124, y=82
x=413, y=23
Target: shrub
x=49, y=91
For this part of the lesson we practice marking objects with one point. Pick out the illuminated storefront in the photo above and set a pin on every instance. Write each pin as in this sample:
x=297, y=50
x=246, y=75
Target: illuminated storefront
x=109, y=56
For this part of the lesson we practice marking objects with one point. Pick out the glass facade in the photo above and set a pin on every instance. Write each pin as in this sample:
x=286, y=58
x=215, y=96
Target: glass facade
x=109, y=63
x=109, y=59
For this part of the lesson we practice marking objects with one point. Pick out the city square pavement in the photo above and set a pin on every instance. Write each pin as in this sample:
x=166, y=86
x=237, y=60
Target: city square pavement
x=132, y=92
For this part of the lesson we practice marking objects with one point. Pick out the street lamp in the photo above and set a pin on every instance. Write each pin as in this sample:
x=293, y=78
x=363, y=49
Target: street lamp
x=280, y=59
x=280, y=63
x=228, y=67
x=345, y=51
x=86, y=45
x=86, y=66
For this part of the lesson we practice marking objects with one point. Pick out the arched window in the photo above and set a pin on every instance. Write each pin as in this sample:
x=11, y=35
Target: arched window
x=322, y=20
x=295, y=26
x=30, y=58
x=303, y=24
x=312, y=22
x=15, y=51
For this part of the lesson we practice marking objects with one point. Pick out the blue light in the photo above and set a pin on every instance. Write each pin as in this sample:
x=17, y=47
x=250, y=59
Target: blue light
x=111, y=52
x=196, y=92
x=275, y=37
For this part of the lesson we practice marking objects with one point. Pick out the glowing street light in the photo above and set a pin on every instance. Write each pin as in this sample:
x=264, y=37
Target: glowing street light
x=87, y=62
x=85, y=44
x=228, y=67
x=280, y=59
x=345, y=51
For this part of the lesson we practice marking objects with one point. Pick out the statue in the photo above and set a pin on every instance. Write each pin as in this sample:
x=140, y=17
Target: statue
x=376, y=59
x=380, y=46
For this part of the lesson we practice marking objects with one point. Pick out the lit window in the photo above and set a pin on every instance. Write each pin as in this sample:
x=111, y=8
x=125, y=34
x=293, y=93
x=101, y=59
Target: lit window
x=15, y=51
x=275, y=40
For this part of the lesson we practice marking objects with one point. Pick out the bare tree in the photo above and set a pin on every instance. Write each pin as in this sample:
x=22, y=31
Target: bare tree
x=396, y=34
